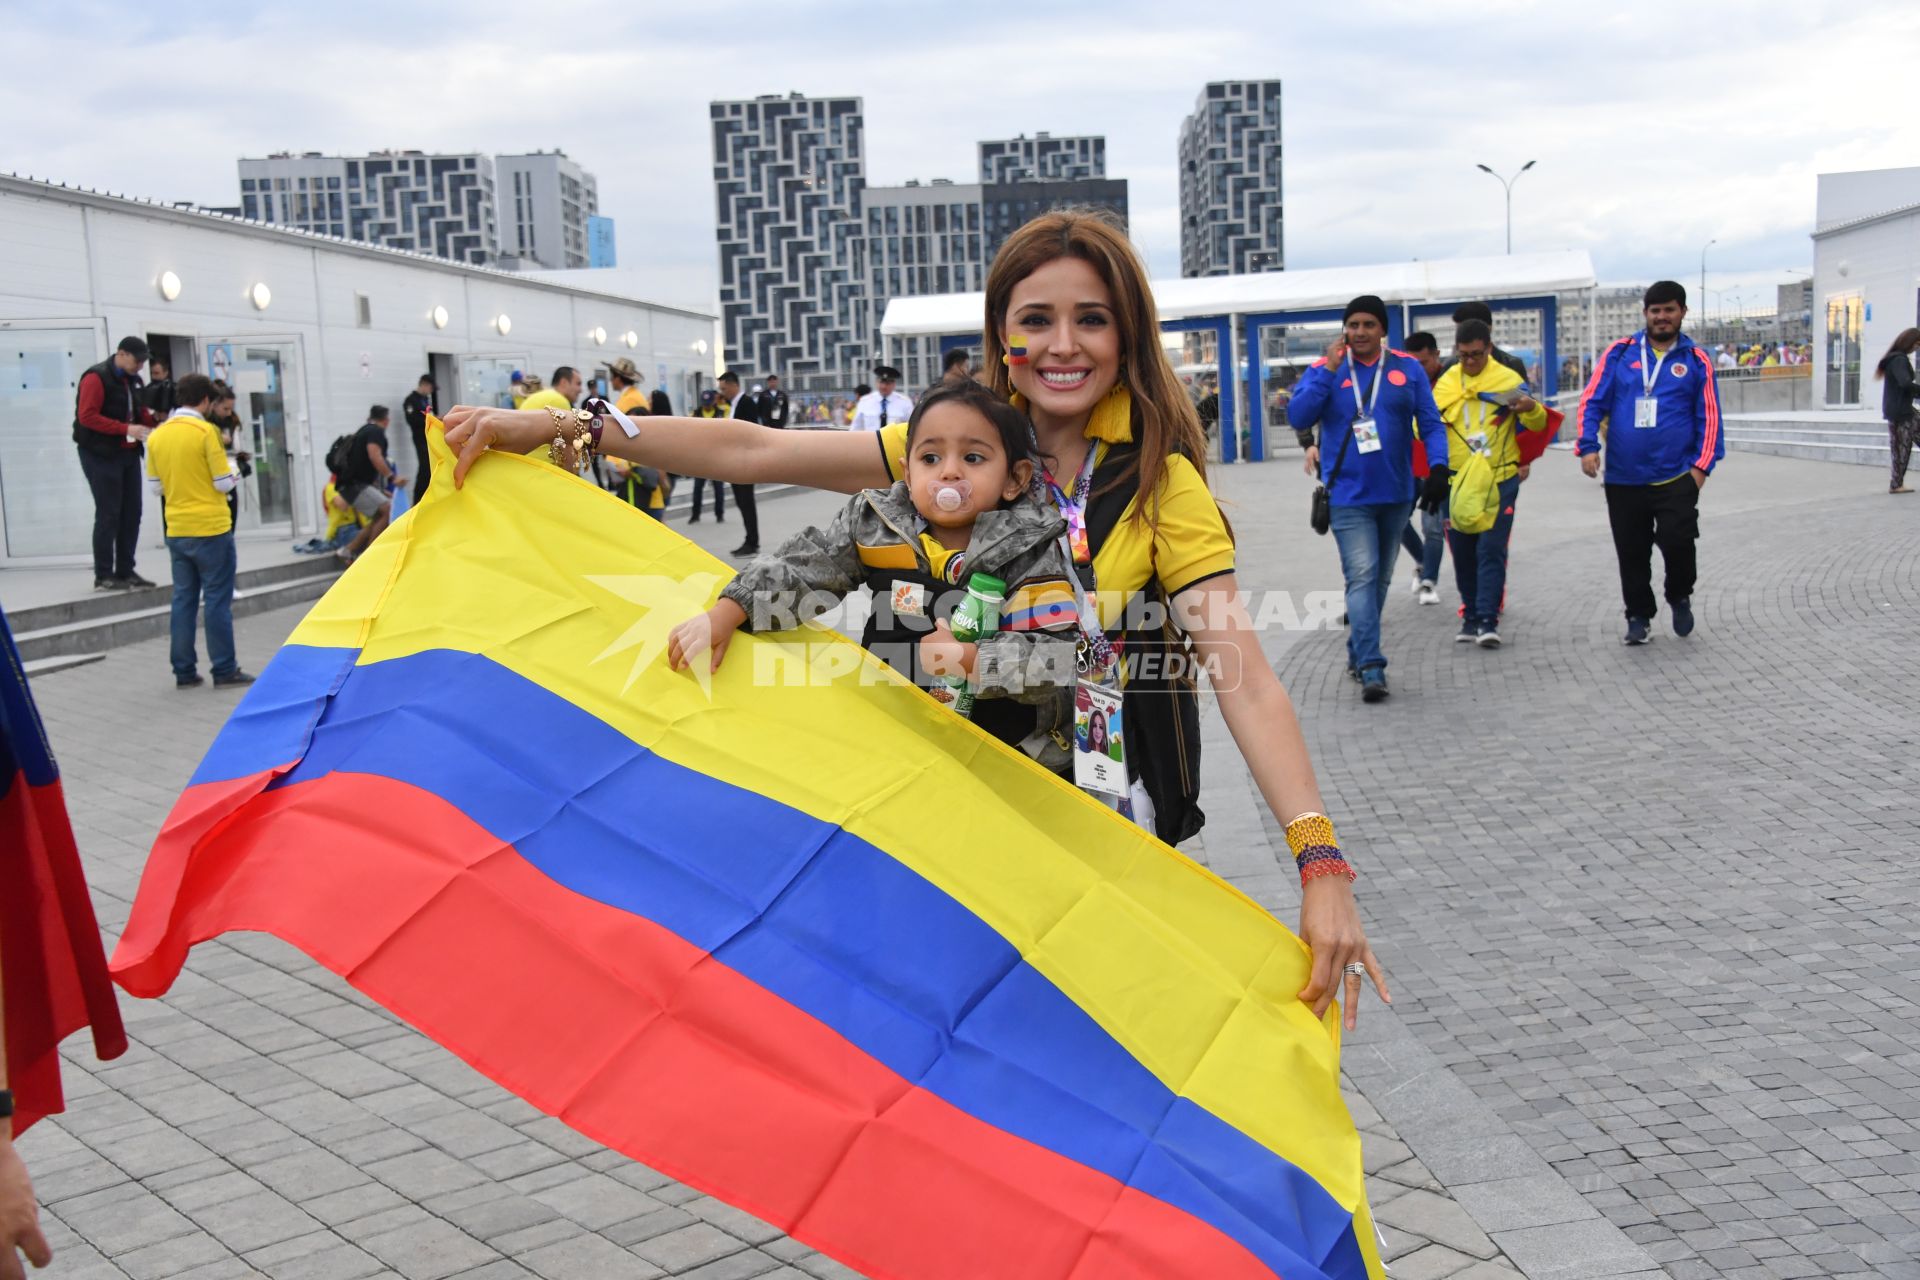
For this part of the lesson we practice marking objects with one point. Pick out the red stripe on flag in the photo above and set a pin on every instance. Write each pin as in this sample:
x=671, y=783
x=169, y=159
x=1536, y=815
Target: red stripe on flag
x=643, y=1042
x=53, y=966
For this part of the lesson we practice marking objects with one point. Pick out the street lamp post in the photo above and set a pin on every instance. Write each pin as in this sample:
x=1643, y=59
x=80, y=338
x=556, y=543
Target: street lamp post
x=1508, y=184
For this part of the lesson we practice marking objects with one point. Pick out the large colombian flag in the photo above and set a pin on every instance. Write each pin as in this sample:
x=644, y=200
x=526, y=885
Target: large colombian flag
x=53, y=970
x=803, y=939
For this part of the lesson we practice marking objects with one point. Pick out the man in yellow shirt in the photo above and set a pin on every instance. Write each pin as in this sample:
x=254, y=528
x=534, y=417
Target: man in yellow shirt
x=1482, y=400
x=561, y=394
x=187, y=468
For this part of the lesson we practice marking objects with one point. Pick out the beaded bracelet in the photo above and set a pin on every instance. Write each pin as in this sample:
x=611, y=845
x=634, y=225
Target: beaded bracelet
x=1315, y=850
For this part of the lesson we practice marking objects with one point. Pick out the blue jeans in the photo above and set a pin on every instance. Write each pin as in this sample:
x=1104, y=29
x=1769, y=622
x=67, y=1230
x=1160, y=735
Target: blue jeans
x=1369, y=538
x=203, y=566
x=1480, y=561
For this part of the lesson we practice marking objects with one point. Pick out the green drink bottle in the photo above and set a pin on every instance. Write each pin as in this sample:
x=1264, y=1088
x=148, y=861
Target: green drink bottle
x=973, y=618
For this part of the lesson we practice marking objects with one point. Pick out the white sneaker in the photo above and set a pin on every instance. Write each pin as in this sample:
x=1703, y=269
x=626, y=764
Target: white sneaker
x=1415, y=588
x=1425, y=594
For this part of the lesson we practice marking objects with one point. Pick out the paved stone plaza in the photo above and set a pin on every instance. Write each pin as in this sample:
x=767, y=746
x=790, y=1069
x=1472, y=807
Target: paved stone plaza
x=1646, y=911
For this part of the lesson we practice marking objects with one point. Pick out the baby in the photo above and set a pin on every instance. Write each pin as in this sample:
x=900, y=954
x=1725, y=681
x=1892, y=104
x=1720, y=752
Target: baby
x=964, y=508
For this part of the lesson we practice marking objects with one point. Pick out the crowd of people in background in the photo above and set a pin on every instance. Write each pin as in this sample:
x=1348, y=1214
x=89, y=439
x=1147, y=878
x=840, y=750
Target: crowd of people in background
x=1386, y=432
x=1388, y=478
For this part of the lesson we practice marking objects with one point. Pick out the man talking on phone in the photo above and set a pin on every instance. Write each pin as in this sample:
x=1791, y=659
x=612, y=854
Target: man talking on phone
x=1372, y=407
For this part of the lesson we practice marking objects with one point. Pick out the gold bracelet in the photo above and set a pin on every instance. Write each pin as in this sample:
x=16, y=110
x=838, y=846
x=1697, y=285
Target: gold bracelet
x=580, y=449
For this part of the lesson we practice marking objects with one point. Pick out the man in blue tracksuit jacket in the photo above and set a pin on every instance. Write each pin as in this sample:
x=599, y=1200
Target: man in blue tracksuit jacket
x=1655, y=392
x=1373, y=408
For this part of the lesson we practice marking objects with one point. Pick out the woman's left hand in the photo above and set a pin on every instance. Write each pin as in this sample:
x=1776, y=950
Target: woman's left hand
x=1330, y=926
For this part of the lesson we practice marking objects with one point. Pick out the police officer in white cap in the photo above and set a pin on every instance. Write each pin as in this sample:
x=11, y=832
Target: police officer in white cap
x=883, y=405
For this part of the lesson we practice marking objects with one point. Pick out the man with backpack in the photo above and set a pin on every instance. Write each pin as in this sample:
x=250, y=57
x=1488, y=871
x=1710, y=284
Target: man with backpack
x=1372, y=407
x=363, y=474
x=1655, y=393
x=1481, y=401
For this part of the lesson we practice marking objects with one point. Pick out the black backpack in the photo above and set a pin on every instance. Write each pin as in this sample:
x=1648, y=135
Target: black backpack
x=337, y=454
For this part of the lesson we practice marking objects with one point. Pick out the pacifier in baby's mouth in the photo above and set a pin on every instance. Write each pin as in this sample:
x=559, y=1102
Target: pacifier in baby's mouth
x=953, y=495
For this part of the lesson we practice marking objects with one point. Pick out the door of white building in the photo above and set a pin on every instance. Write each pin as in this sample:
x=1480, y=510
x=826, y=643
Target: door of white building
x=271, y=399
x=46, y=508
x=488, y=380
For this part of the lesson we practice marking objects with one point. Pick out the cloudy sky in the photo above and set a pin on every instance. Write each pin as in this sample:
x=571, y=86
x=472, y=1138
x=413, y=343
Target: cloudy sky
x=1657, y=127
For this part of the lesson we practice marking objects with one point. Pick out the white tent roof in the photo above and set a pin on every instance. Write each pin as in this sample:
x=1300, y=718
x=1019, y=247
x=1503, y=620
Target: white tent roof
x=1520, y=275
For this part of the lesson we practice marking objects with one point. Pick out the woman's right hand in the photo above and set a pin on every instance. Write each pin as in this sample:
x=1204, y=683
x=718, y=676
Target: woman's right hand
x=473, y=429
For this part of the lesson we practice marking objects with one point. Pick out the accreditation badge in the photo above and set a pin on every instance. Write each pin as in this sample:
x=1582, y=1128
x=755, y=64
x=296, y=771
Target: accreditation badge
x=1646, y=412
x=1366, y=435
x=1099, y=747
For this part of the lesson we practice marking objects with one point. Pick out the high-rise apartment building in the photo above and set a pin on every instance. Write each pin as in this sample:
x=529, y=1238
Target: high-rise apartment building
x=1007, y=207
x=941, y=236
x=434, y=204
x=546, y=200
x=788, y=176
x=1230, y=165
x=1042, y=158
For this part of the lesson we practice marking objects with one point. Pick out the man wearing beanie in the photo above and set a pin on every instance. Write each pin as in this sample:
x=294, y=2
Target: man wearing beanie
x=1360, y=412
x=1655, y=393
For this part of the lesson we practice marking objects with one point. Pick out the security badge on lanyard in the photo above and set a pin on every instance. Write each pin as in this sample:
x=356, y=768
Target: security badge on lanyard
x=1099, y=754
x=1366, y=433
x=1646, y=409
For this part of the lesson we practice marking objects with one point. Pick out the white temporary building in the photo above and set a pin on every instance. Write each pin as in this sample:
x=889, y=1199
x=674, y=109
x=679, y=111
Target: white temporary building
x=1241, y=310
x=311, y=330
x=1866, y=279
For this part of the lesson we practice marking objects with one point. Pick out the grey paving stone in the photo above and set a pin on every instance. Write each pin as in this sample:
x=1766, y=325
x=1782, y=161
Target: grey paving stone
x=254, y=1221
x=596, y=1201
x=122, y=1219
x=1438, y=1219
x=321, y=1255
x=1522, y=1202
x=1573, y=1251
x=688, y=1247
x=1434, y=1262
x=169, y=1258
x=428, y=1249
x=585, y=1257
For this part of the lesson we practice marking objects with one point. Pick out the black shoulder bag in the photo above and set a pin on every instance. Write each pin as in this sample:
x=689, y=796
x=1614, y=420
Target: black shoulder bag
x=1322, y=517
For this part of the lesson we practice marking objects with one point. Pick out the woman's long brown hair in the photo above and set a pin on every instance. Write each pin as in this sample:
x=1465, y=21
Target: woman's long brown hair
x=1164, y=419
x=1903, y=344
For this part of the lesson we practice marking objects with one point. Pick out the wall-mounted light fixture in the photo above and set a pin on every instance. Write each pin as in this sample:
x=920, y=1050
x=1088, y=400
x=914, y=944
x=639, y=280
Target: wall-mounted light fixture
x=261, y=295
x=169, y=285
x=599, y=335
x=504, y=323
x=439, y=317
x=632, y=339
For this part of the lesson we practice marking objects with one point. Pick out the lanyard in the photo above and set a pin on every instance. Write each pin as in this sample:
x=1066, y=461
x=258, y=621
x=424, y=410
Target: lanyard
x=1353, y=379
x=1649, y=367
x=1096, y=657
x=1073, y=506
